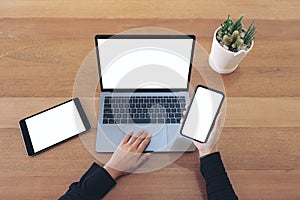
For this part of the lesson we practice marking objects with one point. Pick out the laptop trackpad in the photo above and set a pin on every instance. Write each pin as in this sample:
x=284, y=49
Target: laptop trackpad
x=159, y=136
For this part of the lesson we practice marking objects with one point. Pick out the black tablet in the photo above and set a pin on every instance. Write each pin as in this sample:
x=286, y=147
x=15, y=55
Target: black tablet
x=54, y=125
x=202, y=113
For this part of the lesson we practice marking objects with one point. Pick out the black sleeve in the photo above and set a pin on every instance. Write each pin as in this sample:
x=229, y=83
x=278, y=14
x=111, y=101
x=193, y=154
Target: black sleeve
x=94, y=184
x=217, y=182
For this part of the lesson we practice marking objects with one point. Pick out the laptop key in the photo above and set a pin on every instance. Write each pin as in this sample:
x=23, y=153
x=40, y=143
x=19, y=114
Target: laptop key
x=107, y=111
x=108, y=116
x=123, y=121
x=178, y=115
x=144, y=120
x=106, y=105
x=160, y=120
x=153, y=120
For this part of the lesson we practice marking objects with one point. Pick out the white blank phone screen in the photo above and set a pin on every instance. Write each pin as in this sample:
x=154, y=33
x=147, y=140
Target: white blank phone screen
x=54, y=126
x=201, y=114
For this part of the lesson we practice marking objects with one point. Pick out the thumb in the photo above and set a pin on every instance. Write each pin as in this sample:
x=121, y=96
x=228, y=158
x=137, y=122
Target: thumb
x=143, y=158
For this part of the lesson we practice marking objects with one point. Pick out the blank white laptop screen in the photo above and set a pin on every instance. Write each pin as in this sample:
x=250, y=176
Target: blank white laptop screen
x=144, y=63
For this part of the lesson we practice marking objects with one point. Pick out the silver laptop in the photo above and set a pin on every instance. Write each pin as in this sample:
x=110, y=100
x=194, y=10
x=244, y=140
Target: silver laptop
x=144, y=85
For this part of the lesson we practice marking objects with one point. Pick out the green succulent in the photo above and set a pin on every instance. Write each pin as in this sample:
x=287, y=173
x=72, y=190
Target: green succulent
x=233, y=36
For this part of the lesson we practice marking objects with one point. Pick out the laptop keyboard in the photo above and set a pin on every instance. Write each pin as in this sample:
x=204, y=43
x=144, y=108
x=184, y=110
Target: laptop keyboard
x=143, y=109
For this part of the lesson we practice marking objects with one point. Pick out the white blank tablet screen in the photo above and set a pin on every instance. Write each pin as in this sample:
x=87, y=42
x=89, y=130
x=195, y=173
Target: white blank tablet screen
x=54, y=126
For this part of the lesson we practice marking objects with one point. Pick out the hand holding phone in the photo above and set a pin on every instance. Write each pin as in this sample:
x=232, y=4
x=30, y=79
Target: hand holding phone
x=202, y=113
x=211, y=145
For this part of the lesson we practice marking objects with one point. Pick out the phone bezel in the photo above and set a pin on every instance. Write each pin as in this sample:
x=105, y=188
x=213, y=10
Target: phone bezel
x=215, y=117
x=26, y=135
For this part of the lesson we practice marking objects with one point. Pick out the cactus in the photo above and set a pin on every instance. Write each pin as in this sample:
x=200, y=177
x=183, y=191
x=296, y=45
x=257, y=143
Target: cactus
x=234, y=41
x=233, y=36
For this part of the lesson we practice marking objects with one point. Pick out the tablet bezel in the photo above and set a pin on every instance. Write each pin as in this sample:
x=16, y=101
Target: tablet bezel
x=26, y=135
x=215, y=117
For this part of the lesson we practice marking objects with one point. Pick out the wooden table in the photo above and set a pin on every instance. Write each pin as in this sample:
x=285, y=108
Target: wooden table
x=44, y=43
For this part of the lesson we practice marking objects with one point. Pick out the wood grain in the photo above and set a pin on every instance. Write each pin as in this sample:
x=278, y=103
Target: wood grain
x=249, y=184
x=258, y=149
x=150, y=9
x=241, y=111
x=60, y=51
x=44, y=43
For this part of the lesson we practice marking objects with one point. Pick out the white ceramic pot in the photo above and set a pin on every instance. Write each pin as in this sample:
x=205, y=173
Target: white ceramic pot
x=222, y=60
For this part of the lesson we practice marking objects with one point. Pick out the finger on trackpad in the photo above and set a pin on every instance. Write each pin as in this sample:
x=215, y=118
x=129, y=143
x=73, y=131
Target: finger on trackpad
x=158, y=132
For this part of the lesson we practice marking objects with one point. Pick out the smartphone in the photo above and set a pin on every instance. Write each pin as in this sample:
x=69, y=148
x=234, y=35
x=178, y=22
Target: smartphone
x=53, y=126
x=202, y=113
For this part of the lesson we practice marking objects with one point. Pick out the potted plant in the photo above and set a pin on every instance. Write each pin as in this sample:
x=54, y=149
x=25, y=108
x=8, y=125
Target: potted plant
x=231, y=43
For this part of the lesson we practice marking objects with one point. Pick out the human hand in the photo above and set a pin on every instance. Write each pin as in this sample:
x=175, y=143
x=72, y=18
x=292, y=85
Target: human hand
x=129, y=154
x=211, y=145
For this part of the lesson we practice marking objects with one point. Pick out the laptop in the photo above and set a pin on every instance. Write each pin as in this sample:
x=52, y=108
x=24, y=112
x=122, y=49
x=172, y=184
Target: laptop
x=144, y=85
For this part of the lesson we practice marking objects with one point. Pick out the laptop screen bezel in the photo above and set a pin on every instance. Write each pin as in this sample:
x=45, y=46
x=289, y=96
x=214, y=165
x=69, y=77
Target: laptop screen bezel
x=110, y=36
